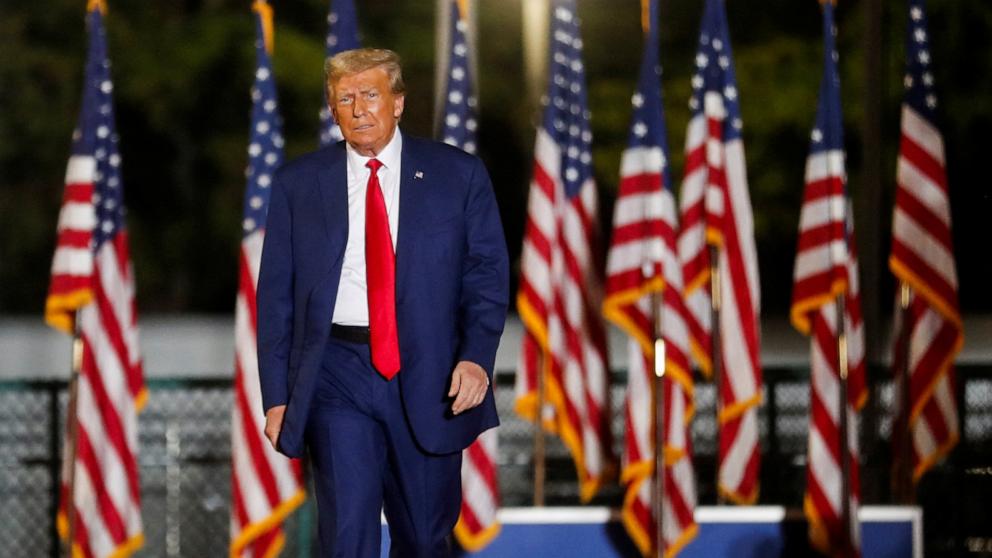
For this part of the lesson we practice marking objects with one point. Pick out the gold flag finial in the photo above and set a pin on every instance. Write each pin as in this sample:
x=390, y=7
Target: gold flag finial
x=92, y=5
x=264, y=11
x=646, y=15
x=462, y=8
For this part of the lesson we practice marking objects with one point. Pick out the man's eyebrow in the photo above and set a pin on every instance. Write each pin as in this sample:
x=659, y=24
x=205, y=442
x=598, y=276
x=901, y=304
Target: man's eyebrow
x=362, y=91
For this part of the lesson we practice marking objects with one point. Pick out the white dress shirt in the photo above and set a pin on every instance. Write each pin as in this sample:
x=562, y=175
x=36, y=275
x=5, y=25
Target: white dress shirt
x=352, y=305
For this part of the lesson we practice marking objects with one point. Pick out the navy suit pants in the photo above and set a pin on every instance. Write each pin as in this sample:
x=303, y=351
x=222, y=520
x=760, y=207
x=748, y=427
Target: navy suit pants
x=366, y=460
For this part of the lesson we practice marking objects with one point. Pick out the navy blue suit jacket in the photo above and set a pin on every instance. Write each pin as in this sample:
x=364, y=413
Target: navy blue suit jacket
x=452, y=286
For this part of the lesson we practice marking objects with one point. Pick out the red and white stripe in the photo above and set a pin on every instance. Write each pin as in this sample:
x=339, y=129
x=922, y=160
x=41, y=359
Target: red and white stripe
x=478, y=523
x=97, y=290
x=559, y=302
x=643, y=264
x=826, y=268
x=923, y=258
x=716, y=210
x=72, y=265
x=266, y=486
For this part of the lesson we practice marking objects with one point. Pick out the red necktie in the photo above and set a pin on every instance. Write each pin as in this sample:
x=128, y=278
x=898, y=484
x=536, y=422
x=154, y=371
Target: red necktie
x=380, y=276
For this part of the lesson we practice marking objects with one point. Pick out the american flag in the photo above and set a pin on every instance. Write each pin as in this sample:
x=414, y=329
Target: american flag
x=92, y=292
x=477, y=525
x=265, y=486
x=342, y=34
x=560, y=291
x=460, y=103
x=643, y=265
x=923, y=259
x=826, y=269
x=716, y=211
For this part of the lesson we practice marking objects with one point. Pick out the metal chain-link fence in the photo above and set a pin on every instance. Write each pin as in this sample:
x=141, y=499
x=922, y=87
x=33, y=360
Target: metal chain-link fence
x=29, y=414
x=185, y=463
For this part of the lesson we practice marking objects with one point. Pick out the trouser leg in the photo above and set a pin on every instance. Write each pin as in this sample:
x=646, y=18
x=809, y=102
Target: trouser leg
x=422, y=493
x=348, y=452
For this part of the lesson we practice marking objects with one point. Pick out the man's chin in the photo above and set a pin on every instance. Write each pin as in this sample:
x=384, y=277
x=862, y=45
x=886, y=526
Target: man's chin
x=362, y=145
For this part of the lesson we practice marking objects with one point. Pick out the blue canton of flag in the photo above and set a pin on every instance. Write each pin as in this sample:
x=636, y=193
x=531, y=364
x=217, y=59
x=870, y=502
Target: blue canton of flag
x=828, y=134
x=460, y=103
x=715, y=70
x=648, y=128
x=342, y=34
x=98, y=116
x=566, y=113
x=920, y=93
x=265, y=147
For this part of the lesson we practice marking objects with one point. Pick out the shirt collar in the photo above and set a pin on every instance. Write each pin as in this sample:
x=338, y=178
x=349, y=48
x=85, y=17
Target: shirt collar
x=389, y=156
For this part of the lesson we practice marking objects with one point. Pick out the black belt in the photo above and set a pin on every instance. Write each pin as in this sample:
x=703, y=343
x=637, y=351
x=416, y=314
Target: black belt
x=351, y=334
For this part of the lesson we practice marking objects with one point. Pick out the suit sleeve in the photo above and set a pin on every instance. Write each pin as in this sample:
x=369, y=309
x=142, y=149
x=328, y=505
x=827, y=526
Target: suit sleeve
x=274, y=300
x=485, y=274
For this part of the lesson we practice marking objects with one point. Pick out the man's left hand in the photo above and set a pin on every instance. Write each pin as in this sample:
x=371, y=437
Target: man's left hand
x=469, y=384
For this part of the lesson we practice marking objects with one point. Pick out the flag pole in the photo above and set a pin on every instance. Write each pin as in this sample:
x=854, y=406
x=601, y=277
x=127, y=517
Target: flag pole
x=539, y=436
x=845, y=450
x=72, y=425
x=658, y=410
x=442, y=40
x=716, y=360
x=902, y=476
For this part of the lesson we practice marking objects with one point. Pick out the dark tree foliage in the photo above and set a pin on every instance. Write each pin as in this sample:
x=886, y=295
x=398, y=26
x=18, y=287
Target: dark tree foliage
x=182, y=72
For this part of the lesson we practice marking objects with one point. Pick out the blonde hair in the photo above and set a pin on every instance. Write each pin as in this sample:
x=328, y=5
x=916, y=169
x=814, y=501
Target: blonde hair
x=360, y=59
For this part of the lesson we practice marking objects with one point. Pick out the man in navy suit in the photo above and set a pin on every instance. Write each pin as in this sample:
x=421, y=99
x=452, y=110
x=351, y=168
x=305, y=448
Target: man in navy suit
x=382, y=295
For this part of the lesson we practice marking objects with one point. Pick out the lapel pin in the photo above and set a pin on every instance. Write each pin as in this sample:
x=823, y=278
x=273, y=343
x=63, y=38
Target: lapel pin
x=418, y=174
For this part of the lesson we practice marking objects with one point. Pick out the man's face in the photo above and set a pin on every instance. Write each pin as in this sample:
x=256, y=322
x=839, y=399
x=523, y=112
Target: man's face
x=367, y=110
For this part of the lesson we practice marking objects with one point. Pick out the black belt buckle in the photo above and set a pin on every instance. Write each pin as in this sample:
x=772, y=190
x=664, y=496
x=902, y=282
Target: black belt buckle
x=351, y=334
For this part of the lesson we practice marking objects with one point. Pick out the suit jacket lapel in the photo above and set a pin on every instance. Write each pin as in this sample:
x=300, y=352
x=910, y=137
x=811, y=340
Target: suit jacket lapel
x=333, y=186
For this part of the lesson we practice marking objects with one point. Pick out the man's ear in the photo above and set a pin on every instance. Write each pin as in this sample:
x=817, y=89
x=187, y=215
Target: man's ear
x=398, y=106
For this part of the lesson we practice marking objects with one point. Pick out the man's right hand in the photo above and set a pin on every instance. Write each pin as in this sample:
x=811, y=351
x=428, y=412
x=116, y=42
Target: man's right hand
x=273, y=423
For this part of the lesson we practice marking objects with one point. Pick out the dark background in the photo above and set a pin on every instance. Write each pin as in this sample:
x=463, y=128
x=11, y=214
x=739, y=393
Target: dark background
x=182, y=72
